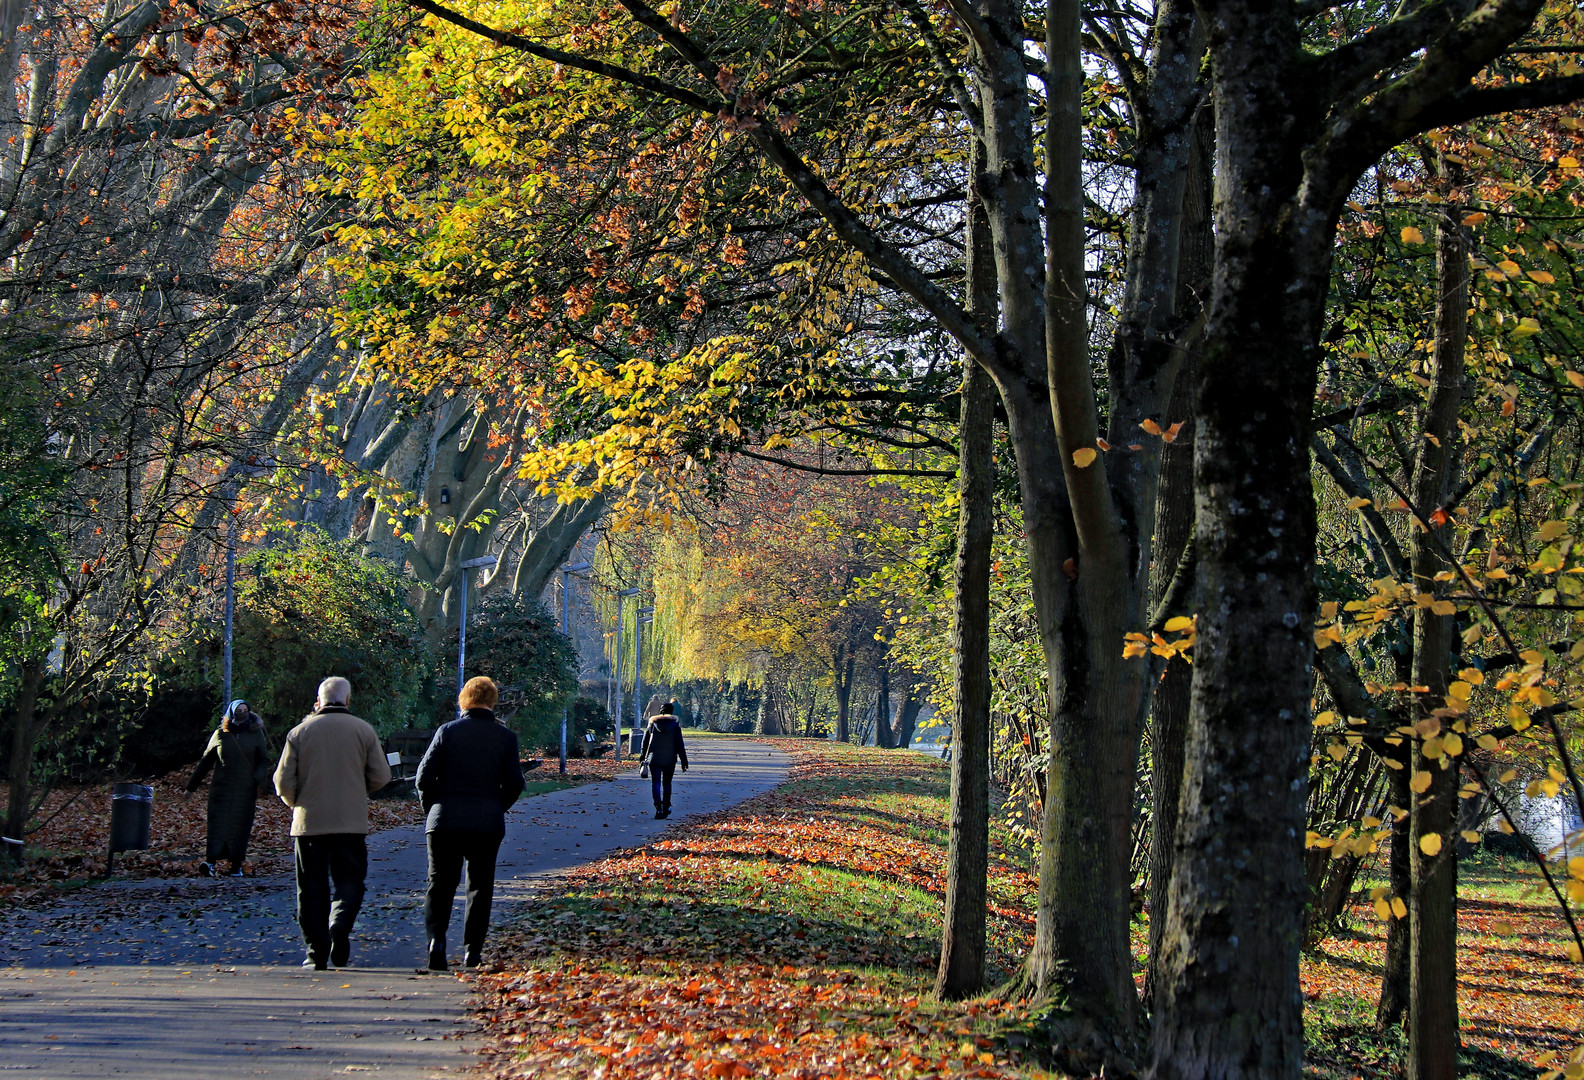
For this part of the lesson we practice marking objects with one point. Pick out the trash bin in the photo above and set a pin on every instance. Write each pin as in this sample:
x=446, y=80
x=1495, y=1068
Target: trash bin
x=131, y=805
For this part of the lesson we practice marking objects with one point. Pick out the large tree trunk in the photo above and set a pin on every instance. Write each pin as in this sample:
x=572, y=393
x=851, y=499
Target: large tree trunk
x=1085, y=600
x=1081, y=954
x=962, y=959
x=1228, y=1002
x=1432, y=991
x=1174, y=515
x=1228, y=993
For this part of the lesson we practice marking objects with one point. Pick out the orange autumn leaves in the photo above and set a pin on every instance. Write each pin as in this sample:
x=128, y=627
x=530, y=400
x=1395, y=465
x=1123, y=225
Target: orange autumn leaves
x=793, y=936
x=1085, y=456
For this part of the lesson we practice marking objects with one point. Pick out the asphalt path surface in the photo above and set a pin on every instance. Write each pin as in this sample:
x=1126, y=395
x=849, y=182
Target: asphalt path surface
x=197, y=978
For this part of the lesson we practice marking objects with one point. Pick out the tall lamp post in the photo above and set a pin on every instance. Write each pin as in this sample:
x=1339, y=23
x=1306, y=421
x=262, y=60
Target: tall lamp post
x=230, y=613
x=463, y=573
x=644, y=615
x=566, y=622
x=621, y=606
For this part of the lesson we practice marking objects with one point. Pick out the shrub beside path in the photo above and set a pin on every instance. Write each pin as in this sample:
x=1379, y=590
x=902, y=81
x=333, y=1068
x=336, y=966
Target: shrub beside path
x=192, y=977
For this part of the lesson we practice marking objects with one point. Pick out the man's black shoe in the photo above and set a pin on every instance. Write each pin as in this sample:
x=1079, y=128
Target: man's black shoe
x=315, y=960
x=437, y=955
x=474, y=956
x=340, y=948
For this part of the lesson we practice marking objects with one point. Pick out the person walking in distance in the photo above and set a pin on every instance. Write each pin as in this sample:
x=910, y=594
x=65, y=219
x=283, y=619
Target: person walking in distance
x=239, y=756
x=332, y=762
x=662, y=750
x=468, y=778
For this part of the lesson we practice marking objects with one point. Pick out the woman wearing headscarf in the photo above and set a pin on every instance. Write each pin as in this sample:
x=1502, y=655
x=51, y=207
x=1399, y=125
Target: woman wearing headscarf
x=239, y=756
x=662, y=750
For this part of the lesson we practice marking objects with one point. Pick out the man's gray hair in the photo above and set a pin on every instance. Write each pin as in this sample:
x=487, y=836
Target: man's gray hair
x=335, y=691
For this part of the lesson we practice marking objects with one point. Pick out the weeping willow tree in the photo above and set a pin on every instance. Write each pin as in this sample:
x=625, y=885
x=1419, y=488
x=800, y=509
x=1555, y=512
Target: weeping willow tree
x=758, y=615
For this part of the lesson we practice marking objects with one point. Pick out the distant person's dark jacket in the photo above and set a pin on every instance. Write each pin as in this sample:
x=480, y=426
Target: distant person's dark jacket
x=240, y=760
x=662, y=742
x=470, y=776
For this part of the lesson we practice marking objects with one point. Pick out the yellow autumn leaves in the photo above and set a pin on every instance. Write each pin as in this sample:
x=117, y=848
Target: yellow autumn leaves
x=1186, y=626
x=1387, y=907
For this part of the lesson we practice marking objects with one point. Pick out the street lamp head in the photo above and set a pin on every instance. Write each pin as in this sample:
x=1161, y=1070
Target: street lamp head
x=482, y=560
x=577, y=568
x=634, y=591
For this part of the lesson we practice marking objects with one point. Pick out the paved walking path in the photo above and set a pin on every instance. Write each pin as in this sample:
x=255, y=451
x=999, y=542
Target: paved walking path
x=200, y=978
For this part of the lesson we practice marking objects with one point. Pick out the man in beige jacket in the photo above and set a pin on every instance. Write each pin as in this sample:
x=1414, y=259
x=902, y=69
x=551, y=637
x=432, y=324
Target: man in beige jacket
x=332, y=762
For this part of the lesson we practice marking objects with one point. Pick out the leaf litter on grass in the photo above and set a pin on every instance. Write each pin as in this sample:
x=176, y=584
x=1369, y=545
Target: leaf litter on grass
x=1520, y=999
x=794, y=935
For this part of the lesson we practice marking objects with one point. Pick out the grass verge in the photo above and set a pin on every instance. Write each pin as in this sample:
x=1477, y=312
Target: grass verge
x=794, y=935
x=1519, y=996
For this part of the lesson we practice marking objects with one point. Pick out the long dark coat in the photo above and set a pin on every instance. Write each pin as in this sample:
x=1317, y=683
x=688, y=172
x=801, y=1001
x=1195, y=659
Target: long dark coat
x=662, y=742
x=240, y=760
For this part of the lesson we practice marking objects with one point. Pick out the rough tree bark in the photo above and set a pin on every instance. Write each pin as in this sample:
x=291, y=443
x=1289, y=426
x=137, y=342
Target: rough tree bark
x=1174, y=516
x=1227, y=998
x=1294, y=131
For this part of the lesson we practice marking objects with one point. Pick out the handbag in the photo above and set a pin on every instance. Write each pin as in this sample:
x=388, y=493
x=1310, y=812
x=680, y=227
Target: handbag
x=643, y=771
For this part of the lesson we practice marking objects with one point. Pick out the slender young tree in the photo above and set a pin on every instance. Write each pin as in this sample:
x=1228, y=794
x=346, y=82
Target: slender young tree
x=1432, y=996
x=962, y=959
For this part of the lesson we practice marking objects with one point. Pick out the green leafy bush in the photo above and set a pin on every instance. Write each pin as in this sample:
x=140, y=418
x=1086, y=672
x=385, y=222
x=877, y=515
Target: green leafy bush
x=318, y=607
x=590, y=714
x=514, y=640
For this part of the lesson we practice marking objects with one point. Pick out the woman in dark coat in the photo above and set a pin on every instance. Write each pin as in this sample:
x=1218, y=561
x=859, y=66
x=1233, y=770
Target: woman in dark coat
x=662, y=750
x=240, y=758
x=468, y=778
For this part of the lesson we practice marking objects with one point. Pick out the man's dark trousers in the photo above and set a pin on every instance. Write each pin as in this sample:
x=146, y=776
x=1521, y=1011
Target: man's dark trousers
x=329, y=865
x=448, y=849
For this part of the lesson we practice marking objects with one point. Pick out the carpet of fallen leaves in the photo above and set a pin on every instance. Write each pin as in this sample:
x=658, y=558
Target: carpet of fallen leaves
x=792, y=936
x=795, y=936
x=70, y=847
x=583, y=769
x=1519, y=996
